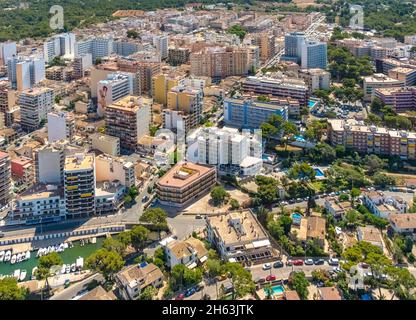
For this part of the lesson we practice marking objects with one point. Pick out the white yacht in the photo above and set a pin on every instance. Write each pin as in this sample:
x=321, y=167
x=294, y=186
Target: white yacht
x=2, y=253
x=13, y=259
x=68, y=268
x=34, y=273
x=7, y=255
x=73, y=267
x=16, y=274
x=23, y=274
x=18, y=257
x=27, y=255
x=63, y=269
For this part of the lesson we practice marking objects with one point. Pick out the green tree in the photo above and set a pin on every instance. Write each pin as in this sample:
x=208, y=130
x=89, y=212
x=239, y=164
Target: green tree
x=113, y=244
x=355, y=193
x=45, y=263
x=219, y=195
x=9, y=290
x=214, y=267
x=139, y=237
x=182, y=277
x=373, y=163
x=148, y=293
x=238, y=31
x=155, y=216
x=300, y=284
x=234, y=204
x=240, y=278
x=106, y=262
x=382, y=180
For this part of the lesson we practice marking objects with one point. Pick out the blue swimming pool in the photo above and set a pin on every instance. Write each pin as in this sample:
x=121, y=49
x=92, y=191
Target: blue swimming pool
x=318, y=172
x=297, y=216
x=311, y=103
x=276, y=290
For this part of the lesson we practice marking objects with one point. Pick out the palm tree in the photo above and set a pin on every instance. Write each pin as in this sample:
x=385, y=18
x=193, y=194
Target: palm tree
x=268, y=289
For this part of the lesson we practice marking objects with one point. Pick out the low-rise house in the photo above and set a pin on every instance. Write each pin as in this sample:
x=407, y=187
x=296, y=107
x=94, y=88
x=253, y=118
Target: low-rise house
x=316, y=230
x=403, y=223
x=238, y=237
x=291, y=295
x=98, y=293
x=383, y=206
x=190, y=252
x=329, y=293
x=370, y=234
x=132, y=280
x=337, y=208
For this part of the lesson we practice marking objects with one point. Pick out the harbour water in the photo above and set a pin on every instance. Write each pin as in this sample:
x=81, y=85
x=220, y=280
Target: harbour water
x=69, y=256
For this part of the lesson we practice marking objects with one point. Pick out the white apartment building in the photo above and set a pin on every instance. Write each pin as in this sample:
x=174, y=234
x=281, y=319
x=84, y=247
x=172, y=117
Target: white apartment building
x=7, y=51
x=34, y=107
x=161, y=42
x=81, y=64
x=97, y=47
x=39, y=204
x=61, y=125
x=50, y=161
x=110, y=168
x=115, y=87
x=58, y=46
x=24, y=73
x=227, y=149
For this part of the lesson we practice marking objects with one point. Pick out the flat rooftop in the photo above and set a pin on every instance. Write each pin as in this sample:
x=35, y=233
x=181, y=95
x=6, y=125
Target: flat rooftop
x=239, y=227
x=130, y=103
x=182, y=174
x=40, y=191
x=79, y=162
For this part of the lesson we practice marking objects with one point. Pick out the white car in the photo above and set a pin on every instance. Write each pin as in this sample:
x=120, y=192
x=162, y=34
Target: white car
x=267, y=266
x=333, y=262
x=309, y=262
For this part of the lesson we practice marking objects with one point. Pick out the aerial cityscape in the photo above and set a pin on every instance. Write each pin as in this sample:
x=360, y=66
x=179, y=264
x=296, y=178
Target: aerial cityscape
x=176, y=150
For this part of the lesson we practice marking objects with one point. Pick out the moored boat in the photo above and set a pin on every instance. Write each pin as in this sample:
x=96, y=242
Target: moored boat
x=16, y=274
x=23, y=274
x=7, y=256
x=2, y=254
x=13, y=259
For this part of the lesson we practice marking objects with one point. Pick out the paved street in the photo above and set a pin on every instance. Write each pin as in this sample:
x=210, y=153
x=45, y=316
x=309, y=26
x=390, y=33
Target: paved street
x=258, y=272
x=72, y=291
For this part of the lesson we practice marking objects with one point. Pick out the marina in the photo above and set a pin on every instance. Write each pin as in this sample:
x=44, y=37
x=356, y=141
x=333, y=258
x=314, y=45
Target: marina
x=73, y=255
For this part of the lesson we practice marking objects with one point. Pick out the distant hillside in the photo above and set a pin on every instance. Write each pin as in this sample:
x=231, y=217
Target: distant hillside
x=17, y=22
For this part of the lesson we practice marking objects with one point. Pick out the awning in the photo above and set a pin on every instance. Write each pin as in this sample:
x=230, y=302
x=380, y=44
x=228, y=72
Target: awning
x=203, y=259
x=192, y=265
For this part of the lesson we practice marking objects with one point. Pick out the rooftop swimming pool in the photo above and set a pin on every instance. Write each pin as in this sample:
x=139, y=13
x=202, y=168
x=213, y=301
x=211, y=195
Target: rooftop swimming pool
x=276, y=290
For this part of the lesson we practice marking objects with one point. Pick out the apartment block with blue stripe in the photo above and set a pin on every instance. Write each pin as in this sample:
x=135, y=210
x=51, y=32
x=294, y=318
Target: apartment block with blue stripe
x=249, y=114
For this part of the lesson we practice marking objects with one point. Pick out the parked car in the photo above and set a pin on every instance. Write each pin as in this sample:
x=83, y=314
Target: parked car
x=278, y=264
x=271, y=277
x=190, y=292
x=333, y=261
x=298, y=262
x=199, y=287
x=309, y=262
x=289, y=263
x=318, y=262
x=260, y=280
x=180, y=297
x=267, y=266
